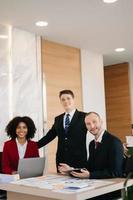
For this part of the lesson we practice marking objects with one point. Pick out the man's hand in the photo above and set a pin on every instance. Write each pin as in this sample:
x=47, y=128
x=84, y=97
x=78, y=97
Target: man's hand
x=64, y=168
x=83, y=174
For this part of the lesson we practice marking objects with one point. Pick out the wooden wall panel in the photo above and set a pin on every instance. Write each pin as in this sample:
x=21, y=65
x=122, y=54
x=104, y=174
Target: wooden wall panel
x=117, y=93
x=61, y=67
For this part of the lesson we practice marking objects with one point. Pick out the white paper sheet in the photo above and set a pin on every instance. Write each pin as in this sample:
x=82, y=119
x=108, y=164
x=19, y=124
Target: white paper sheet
x=7, y=178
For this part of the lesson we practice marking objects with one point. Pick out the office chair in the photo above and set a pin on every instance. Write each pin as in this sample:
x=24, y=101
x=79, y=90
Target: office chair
x=127, y=193
x=3, y=193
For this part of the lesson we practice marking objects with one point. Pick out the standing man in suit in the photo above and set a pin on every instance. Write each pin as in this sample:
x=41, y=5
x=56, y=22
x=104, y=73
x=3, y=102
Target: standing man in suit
x=105, y=152
x=71, y=131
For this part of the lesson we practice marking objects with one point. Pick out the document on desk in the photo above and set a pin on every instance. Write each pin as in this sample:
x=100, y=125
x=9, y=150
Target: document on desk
x=61, y=184
x=77, y=185
x=7, y=178
x=87, y=184
x=47, y=182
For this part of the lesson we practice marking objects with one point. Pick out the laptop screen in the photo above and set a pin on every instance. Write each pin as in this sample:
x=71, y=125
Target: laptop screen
x=31, y=167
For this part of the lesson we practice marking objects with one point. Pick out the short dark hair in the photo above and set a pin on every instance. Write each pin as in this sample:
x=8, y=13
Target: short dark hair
x=12, y=126
x=66, y=92
x=92, y=112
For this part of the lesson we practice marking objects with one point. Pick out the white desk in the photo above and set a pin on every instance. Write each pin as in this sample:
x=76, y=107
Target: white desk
x=21, y=192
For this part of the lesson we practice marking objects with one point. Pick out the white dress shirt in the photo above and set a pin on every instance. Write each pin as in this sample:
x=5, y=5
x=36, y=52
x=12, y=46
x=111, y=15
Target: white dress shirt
x=70, y=116
x=99, y=139
x=91, y=137
x=21, y=148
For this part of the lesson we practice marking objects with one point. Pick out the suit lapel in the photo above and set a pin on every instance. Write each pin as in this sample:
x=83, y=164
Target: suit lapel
x=15, y=150
x=60, y=123
x=28, y=149
x=104, y=136
x=101, y=144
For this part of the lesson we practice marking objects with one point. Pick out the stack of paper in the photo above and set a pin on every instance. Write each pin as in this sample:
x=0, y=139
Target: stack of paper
x=75, y=185
x=7, y=178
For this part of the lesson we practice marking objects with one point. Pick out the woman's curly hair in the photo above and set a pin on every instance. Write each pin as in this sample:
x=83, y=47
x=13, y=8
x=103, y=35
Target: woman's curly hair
x=12, y=126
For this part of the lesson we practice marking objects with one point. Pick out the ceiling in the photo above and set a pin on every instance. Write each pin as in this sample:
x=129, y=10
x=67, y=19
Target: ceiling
x=87, y=24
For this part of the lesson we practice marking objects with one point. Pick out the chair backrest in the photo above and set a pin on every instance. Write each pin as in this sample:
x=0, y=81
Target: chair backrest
x=0, y=162
x=3, y=193
x=129, y=165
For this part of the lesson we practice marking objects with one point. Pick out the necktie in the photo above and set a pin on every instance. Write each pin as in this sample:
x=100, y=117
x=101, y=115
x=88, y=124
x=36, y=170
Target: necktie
x=96, y=144
x=67, y=123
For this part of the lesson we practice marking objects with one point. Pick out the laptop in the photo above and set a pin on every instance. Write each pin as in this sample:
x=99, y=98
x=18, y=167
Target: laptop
x=31, y=167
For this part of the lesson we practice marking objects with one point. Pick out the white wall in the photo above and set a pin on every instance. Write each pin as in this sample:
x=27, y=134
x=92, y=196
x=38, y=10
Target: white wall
x=4, y=82
x=93, y=83
x=92, y=71
x=21, y=83
x=27, y=77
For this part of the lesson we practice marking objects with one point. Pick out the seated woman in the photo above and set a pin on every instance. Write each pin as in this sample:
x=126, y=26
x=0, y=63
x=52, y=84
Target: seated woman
x=20, y=130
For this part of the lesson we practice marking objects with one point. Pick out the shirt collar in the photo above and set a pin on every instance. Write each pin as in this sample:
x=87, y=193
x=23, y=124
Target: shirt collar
x=99, y=139
x=21, y=144
x=71, y=113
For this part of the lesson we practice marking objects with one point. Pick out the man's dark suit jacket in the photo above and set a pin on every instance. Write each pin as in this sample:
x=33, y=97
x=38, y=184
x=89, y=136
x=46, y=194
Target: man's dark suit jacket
x=71, y=148
x=106, y=161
